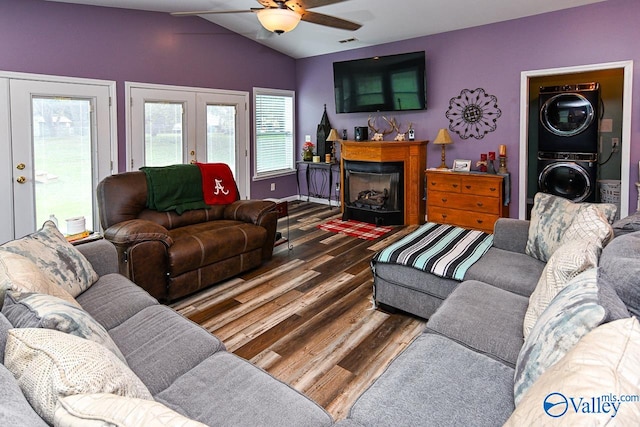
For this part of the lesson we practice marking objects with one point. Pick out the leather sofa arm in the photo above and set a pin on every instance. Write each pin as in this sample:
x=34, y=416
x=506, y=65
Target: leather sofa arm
x=250, y=211
x=134, y=231
x=511, y=234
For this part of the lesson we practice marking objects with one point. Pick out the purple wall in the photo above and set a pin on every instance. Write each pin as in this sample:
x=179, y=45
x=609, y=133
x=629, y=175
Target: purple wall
x=490, y=57
x=126, y=45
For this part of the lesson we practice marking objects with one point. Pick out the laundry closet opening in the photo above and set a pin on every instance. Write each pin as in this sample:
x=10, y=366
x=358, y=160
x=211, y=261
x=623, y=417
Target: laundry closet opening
x=575, y=163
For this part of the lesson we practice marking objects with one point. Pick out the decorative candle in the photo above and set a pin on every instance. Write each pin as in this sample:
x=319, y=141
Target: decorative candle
x=316, y=159
x=492, y=155
x=503, y=151
x=483, y=156
x=327, y=158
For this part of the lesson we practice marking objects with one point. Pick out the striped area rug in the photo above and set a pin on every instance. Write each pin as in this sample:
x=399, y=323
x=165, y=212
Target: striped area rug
x=443, y=250
x=361, y=230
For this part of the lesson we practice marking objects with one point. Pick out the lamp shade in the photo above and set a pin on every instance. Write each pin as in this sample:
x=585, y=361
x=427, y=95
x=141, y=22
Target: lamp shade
x=443, y=137
x=333, y=135
x=278, y=20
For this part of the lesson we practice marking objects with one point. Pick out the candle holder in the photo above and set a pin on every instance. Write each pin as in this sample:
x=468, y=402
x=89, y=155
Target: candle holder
x=503, y=165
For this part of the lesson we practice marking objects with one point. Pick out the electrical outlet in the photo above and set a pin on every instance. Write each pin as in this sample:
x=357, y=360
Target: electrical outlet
x=615, y=142
x=273, y=186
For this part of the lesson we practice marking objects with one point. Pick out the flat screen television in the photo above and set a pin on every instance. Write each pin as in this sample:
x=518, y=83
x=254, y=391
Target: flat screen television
x=381, y=83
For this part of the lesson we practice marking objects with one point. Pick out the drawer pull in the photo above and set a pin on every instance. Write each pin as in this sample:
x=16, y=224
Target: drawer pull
x=433, y=183
x=444, y=216
x=454, y=185
x=480, y=204
x=479, y=221
x=468, y=187
x=492, y=188
x=444, y=200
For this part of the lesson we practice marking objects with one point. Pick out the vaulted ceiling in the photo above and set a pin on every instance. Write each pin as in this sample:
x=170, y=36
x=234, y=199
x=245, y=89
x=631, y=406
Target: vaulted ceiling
x=382, y=20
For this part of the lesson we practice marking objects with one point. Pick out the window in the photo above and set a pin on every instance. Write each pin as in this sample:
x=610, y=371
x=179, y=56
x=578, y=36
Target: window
x=274, y=141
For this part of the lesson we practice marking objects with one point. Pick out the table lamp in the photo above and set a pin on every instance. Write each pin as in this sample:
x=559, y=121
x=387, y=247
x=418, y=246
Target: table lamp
x=443, y=138
x=333, y=137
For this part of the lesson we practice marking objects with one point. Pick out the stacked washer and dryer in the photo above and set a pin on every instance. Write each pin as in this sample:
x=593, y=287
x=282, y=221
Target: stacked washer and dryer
x=568, y=141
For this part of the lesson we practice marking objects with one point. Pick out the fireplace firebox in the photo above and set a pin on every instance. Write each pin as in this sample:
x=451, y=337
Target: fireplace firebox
x=373, y=192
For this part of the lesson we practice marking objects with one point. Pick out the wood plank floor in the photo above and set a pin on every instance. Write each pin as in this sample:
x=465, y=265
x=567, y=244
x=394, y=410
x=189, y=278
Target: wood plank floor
x=306, y=316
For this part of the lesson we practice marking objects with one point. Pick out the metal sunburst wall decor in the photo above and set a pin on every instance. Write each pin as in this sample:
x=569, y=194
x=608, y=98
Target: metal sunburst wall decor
x=473, y=114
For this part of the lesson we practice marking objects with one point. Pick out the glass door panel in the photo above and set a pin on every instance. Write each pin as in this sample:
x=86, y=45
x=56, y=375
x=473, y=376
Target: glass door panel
x=163, y=141
x=221, y=135
x=62, y=158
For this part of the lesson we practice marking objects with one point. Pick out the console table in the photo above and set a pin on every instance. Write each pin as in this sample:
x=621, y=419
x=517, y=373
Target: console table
x=319, y=178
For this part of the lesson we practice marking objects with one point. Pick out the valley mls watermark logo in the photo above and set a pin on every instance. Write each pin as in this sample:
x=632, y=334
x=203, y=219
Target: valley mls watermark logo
x=557, y=404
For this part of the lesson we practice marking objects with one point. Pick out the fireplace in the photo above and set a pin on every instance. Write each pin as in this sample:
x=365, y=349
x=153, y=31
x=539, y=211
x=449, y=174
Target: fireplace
x=373, y=192
x=409, y=156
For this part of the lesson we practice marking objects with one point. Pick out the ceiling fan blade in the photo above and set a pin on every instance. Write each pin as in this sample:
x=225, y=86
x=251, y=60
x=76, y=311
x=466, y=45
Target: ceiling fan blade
x=329, y=21
x=210, y=12
x=268, y=3
x=310, y=4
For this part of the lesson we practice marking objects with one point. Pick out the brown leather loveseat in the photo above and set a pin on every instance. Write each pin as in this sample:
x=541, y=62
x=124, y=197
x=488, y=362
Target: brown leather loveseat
x=172, y=255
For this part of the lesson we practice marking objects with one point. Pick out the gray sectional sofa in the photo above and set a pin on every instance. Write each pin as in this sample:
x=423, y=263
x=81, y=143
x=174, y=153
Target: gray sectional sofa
x=465, y=369
x=462, y=370
x=183, y=366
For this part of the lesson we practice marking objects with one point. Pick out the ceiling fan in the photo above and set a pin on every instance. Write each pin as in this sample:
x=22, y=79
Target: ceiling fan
x=281, y=16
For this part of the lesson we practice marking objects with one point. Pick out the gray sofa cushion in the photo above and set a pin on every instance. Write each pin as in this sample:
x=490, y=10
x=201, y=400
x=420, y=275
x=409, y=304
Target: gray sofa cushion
x=437, y=382
x=627, y=225
x=511, y=271
x=102, y=255
x=415, y=279
x=5, y=325
x=619, y=268
x=225, y=390
x=511, y=235
x=160, y=345
x=483, y=318
x=114, y=299
x=15, y=411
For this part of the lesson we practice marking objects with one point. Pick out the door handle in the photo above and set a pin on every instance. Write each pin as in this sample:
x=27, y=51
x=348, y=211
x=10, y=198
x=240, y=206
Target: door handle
x=21, y=180
x=20, y=166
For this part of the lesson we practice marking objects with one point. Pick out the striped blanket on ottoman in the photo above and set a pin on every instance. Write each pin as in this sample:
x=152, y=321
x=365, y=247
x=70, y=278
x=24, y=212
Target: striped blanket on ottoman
x=443, y=250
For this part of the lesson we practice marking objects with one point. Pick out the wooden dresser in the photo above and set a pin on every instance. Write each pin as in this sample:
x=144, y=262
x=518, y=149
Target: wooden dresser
x=469, y=200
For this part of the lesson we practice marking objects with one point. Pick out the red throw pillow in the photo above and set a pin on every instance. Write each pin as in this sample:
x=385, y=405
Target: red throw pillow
x=218, y=185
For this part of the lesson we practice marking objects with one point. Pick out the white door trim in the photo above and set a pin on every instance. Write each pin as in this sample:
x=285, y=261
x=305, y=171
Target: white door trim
x=525, y=76
x=243, y=159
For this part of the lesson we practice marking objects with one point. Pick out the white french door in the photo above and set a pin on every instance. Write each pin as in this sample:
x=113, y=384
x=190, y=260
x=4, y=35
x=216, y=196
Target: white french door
x=169, y=125
x=61, y=144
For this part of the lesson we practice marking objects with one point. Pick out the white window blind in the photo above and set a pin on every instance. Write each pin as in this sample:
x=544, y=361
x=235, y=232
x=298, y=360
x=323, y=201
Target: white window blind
x=274, y=141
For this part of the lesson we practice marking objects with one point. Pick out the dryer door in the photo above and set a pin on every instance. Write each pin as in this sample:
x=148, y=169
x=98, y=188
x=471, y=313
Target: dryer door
x=565, y=179
x=567, y=114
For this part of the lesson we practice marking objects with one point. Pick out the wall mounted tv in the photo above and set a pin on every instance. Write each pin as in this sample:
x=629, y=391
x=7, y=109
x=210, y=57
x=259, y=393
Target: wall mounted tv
x=381, y=83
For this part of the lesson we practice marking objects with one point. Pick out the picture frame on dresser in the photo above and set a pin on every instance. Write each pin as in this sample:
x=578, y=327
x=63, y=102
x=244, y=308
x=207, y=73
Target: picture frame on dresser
x=460, y=165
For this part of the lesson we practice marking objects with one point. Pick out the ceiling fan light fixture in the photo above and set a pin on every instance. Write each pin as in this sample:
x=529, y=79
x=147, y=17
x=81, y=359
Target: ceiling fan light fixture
x=278, y=20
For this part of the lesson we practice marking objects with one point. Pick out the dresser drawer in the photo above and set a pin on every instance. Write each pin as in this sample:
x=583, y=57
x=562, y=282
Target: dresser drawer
x=466, y=219
x=481, y=186
x=466, y=202
x=444, y=182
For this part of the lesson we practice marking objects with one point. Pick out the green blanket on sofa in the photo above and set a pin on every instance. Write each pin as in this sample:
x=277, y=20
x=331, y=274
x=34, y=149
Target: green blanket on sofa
x=174, y=188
